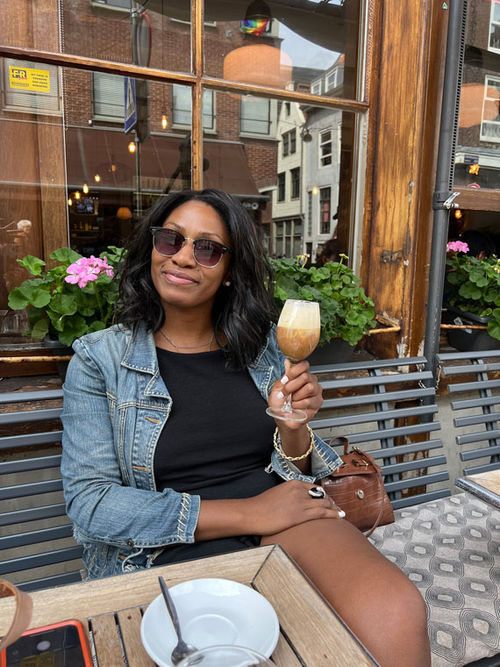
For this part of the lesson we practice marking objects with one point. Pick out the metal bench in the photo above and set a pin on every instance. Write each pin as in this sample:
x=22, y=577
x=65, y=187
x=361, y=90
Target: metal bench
x=477, y=399
x=386, y=408
x=36, y=543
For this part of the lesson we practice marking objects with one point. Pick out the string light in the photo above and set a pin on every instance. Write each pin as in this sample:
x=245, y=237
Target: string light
x=164, y=121
x=458, y=214
x=77, y=195
x=85, y=188
x=315, y=190
x=97, y=178
x=131, y=147
x=70, y=202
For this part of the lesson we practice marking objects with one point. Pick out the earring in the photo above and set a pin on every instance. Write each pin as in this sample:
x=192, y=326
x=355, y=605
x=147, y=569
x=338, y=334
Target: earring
x=227, y=283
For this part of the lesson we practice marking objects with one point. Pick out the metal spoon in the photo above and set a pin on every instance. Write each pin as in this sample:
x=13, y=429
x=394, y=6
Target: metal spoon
x=181, y=650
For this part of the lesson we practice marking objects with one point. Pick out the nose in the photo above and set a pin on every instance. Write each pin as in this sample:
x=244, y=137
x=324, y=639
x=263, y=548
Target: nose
x=185, y=255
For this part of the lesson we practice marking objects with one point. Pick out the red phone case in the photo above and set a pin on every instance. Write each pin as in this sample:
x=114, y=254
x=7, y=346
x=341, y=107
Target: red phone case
x=82, y=636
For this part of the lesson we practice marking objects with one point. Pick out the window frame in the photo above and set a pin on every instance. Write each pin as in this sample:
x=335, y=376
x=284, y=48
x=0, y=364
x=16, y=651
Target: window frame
x=493, y=22
x=320, y=201
x=322, y=143
x=182, y=125
x=486, y=99
x=281, y=186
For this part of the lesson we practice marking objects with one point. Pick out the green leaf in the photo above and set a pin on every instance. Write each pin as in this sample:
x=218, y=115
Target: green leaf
x=66, y=256
x=40, y=329
x=32, y=264
x=64, y=304
x=17, y=300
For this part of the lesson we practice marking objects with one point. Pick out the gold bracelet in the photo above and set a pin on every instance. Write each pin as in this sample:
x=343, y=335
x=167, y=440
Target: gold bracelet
x=278, y=448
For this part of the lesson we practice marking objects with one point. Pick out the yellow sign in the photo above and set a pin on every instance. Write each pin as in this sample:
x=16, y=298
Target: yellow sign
x=26, y=78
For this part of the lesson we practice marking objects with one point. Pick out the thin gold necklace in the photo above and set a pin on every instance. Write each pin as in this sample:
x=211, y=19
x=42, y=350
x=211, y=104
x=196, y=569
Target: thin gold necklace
x=187, y=347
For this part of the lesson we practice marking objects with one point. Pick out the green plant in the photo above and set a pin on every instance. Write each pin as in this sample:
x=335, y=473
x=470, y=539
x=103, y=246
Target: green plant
x=346, y=311
x=473, y=285
x=74, y=297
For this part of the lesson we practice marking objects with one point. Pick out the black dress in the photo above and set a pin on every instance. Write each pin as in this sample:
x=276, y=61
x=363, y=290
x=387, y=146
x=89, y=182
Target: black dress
x=215, y=443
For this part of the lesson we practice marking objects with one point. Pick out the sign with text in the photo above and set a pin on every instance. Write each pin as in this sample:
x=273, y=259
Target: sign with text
x=27, y=78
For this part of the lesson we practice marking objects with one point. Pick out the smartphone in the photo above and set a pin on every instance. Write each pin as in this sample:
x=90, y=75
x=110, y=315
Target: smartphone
x=62, y=644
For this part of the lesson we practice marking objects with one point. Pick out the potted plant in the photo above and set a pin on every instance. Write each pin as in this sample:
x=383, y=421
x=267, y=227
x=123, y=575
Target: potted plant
x=347, y=313
x=472, y=294
x=75, y=296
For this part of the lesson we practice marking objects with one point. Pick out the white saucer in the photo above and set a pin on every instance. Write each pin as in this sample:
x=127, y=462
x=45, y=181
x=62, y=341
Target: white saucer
x=211, y=611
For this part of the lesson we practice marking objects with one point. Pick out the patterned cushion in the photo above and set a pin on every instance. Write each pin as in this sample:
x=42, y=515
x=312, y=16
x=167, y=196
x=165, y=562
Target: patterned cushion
x=450, y=549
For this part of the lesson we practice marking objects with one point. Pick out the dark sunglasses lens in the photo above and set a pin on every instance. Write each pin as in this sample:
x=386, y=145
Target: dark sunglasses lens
x=207, y=253
x=168, y=241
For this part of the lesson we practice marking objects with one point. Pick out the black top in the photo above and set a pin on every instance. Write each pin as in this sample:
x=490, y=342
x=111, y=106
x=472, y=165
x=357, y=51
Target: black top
x=216, y=441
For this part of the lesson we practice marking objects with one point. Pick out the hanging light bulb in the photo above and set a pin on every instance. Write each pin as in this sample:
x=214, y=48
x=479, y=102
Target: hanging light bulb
x=164, y=121
x=77, y=195
x=315, y=190
x=458, y=214
x=97, y=178
x=70, y=202
x=85, y=188
x=131, y=147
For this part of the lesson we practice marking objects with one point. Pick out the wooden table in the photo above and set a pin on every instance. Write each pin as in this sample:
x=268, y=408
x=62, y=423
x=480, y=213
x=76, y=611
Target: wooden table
x=484, y=485
x=311, y=633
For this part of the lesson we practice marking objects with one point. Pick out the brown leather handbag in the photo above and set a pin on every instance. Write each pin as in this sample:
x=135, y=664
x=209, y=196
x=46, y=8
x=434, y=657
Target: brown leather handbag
x=358, y=489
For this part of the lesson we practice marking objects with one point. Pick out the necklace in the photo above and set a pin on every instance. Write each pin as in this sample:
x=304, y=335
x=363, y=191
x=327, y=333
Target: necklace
x=187, y=347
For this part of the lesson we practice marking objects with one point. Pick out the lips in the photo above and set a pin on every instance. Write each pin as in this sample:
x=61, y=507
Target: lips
x=177, y=278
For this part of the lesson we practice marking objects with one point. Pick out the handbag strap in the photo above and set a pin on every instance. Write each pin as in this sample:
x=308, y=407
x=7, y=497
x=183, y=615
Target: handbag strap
x=380, y=485
x=22, y=615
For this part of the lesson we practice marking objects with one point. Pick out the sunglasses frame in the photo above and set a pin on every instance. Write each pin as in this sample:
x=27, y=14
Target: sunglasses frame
x=224, y=249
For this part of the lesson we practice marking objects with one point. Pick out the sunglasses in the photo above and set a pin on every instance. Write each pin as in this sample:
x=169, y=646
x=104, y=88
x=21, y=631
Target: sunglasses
x=206, y=252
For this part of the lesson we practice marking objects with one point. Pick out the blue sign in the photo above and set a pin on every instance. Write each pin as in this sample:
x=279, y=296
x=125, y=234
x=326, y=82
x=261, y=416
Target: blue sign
x=130, y=104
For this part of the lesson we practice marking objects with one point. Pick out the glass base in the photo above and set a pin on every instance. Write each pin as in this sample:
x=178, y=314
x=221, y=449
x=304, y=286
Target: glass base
x=287, y=415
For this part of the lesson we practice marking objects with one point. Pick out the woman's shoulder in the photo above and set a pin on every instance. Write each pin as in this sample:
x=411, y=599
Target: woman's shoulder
x=115, y=336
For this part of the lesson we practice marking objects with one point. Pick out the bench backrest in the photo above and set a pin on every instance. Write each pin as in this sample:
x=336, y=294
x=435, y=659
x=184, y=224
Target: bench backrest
x=477, y=393
x=37, y=549
x=387, y=407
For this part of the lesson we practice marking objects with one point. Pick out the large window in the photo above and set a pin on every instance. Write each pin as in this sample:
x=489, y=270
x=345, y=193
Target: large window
x=255, y=115
x=182, y=104
x=490, y=122
x=494, y=40
x=289, y=140
x=29, y=87
x=325, y=148
x=295, y=176
x=281, y=186
x=108, y=97
x=325, y=207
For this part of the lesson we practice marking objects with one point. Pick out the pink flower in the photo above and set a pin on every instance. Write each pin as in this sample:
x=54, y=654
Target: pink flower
x=457, y=246
x=87, y=269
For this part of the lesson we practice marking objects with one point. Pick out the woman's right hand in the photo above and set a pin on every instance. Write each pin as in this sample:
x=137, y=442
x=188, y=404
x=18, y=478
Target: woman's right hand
x=272, y=511
x=286, y=505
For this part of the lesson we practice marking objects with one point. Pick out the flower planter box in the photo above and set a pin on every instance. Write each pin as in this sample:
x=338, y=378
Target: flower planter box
x=470, y=340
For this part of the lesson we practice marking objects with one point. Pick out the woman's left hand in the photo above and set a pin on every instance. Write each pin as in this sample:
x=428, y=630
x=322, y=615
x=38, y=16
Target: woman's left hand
x=304, y=387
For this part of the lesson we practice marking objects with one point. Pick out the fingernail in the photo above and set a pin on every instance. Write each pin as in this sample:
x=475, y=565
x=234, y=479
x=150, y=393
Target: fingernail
x=284, y=379
x=341, y=514
x=280, y=395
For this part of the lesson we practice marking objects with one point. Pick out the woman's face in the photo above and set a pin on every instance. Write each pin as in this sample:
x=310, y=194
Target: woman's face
x=179, y=280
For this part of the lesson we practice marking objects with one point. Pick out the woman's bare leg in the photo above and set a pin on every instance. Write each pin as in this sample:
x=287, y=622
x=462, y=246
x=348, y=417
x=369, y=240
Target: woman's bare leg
x=377, y=601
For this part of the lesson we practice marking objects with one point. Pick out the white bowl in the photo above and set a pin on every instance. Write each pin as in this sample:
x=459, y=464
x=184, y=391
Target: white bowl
x=211, y=611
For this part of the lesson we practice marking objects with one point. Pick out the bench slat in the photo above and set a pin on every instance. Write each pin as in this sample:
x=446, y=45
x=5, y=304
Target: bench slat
x=398, y=413
x=32, y=514
x=37, y=560
x=384, y=434
x=472, y=454
x=484, y=401
x=477, y=419
x=30, y=416
x=23, y=465
x=417, y=481
x=376, y=380
x=478, y=436
x=469, y=369
x=25, y=396
x=371, y=364
x=409, y=501
x=49, y=582
x=29, y=439
x=363, y=399
x=21, y=490
x=395, y=468
x=35, y=536
x=473, y=386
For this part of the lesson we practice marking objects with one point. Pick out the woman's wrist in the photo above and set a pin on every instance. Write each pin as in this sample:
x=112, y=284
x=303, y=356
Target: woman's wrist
x=296, y=445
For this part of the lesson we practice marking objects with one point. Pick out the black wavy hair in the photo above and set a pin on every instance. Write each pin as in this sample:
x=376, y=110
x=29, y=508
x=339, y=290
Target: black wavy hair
x=242, y=312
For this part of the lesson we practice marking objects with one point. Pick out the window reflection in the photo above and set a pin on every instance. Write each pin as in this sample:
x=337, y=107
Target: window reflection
x=478, y=146
x=308, y=46
x=288, y=177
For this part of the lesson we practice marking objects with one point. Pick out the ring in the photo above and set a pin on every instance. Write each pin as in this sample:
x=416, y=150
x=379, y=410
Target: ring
x=317, y=492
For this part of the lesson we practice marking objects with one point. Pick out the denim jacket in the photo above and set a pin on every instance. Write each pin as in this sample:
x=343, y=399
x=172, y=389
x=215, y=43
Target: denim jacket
x=115, y=406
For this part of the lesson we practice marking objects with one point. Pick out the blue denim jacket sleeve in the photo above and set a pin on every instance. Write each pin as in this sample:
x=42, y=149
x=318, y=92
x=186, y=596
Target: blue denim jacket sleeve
x=98, y=466
x=269, y=367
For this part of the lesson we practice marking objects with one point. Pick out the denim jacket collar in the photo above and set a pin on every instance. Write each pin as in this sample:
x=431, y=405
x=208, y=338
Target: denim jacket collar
x=140, y=355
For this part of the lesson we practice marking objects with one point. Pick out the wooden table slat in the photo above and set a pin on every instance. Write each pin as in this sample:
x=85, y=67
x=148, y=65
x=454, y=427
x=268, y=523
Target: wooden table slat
x=129, y=621
x=107, y=640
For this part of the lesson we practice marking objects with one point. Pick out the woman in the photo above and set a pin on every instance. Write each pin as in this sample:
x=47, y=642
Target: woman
x=167, y=449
